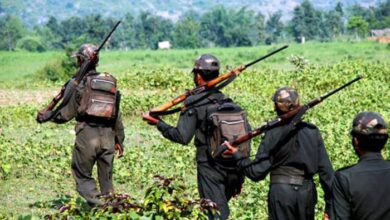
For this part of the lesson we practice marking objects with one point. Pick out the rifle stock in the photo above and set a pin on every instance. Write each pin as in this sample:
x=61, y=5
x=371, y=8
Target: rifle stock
x=210, y=84
x=283, y=118
x=55, y=100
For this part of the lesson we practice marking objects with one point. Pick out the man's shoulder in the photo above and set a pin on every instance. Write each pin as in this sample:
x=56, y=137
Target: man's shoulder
x=201, y=101
x=347, y=169
x=308, y=125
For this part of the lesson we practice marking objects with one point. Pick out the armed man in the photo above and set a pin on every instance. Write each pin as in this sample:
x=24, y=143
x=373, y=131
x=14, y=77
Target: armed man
x=292, y=152
x=362, y=191
x=218, y=181
x=94, y=103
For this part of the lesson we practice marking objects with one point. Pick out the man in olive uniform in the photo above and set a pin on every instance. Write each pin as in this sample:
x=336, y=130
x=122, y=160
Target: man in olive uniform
x=362, y=191
x=214, y=182
x=96, y=138
x=292, y=153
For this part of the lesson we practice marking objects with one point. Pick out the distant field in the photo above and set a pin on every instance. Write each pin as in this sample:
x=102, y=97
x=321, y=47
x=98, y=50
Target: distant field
x=15, y=65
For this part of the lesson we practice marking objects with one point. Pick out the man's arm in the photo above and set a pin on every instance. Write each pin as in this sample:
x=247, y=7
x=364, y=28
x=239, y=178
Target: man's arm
x=326, y=172
x=257, y=169
x=119, y=130
x=69, y=111
x=273, y=140
x=341, y=209
x=184, y=130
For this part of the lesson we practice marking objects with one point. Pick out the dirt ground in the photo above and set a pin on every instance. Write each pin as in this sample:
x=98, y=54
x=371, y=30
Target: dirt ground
x=19, y=96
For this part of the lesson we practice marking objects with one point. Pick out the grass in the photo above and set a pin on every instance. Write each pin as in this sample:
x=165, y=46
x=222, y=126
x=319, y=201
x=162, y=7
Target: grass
x=38, y=155
x=16, y=65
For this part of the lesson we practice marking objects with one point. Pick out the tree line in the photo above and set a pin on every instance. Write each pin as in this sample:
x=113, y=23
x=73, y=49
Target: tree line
x=219, y=27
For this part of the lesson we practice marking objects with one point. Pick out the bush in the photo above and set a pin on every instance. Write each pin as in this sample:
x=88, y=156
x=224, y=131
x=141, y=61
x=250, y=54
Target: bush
x=59, y=70
x=32, y=44
x=165, y=199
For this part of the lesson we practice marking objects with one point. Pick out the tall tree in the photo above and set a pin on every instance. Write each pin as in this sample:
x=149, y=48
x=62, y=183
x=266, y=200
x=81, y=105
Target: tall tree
x=382, y=14
x=125, y=35
x=214, y=26
x=333, y=22
x=273, y=27
x=186, y=33
x=242, y=31
x=306, y=22
x=260, y=28
x=358, y=26
x=73, y=31
x=339, y=9
x=151, y=29
x=11, y=30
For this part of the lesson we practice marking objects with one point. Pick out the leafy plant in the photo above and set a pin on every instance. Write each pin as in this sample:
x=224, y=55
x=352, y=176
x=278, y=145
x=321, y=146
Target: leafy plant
x=166, y=199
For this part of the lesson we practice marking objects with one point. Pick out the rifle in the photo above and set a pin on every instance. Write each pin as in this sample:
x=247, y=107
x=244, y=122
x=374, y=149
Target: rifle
x=282, y=119
x=77, y=79
x=160, y=110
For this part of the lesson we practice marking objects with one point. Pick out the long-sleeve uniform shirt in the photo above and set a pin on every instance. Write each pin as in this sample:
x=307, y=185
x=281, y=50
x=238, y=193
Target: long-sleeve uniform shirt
x=301, y=148
x=214, y=183
x=191, y=122
x=95, y=143
x=362, y=191
x=69, y=111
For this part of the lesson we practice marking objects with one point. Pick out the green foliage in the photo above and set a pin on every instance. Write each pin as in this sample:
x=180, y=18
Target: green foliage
x=165, y=199
x=11, y=30
x=31, y=44
x=358, y=26
x=217, y=26
x=35, y=158
x=59, y=70
x=273, y=28
x=298, y=61
x=185, y=33
x=306, y=21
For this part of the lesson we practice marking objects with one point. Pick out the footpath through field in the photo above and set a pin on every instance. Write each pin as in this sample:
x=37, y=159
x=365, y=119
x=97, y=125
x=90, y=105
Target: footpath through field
x=10, y=97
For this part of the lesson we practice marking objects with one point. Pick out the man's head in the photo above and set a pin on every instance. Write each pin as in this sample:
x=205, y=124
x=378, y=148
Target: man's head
x=85, y=52
x=285, y=99
x=207, y=67
x=369, y=132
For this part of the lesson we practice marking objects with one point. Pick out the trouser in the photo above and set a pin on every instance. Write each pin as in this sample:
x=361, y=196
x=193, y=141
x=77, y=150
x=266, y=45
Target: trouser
x=290, y=201
x=218, y=185
x=93, y=145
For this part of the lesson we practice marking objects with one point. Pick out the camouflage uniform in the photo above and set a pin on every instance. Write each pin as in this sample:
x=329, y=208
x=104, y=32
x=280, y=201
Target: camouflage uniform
x=362, y=191
x=95, y=143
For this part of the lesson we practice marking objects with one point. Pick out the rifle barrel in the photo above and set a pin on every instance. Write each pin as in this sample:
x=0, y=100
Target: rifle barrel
x=266, y=56
x=341, y=87
x=108, y=36
x=288, y=115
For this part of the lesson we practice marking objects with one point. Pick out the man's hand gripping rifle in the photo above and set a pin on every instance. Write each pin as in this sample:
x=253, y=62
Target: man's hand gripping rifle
x=294, y=114
x=226, y=78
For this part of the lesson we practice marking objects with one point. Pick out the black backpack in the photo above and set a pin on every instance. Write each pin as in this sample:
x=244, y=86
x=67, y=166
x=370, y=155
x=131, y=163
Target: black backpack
x=226, y=121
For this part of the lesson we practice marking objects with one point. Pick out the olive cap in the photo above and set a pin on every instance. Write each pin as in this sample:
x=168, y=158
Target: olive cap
x=367, y=123
x=207, y=62
x=86, y=51
x=286, y=99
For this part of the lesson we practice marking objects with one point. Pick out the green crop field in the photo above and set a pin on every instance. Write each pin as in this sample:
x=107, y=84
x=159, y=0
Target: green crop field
x=35, y=158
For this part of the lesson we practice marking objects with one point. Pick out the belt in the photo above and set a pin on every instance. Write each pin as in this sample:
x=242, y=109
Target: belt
x=96, y=122
x=293, y=180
